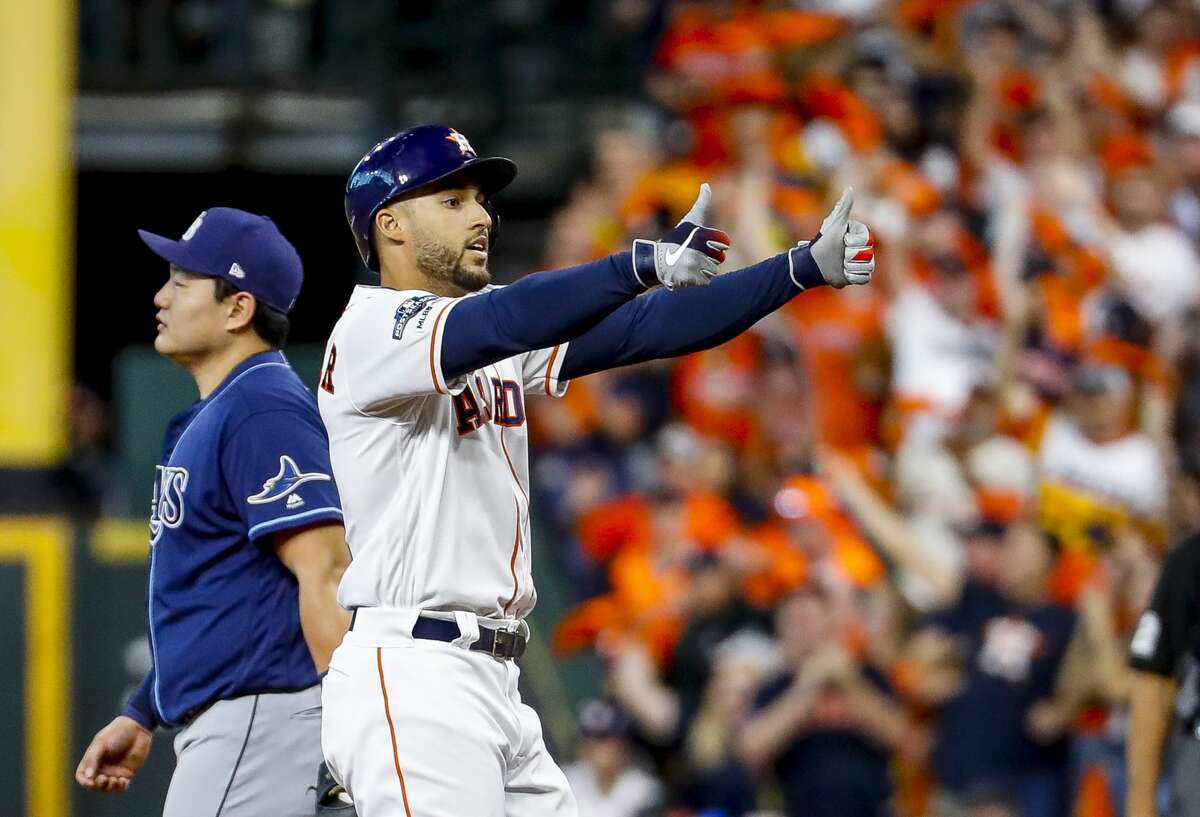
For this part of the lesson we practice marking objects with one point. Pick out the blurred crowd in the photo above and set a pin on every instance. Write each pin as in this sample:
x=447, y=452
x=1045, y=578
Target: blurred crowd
x=883, y=553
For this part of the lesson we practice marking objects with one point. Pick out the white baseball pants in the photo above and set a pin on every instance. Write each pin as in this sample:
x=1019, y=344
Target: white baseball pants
x=421, y=728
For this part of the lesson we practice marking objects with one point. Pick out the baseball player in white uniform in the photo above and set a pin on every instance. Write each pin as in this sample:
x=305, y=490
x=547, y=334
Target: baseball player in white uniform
x=423, y=395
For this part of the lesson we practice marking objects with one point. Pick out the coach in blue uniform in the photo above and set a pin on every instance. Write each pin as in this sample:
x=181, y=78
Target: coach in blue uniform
x=246, y=541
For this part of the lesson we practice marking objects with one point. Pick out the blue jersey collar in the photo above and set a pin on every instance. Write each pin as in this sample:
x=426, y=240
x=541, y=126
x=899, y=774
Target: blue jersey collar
x=270, y=356
x=183, y=419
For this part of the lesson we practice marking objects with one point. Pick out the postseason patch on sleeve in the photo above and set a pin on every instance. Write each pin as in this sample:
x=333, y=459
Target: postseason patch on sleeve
x=408, y=310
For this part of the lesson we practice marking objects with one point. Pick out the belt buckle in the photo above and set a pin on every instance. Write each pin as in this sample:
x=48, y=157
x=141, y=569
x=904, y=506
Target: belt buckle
x=502, y=644
x=507, y=644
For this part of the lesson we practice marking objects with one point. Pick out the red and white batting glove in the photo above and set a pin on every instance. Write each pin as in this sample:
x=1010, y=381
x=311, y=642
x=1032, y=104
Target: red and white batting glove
x=688, y=256
x=843, y=249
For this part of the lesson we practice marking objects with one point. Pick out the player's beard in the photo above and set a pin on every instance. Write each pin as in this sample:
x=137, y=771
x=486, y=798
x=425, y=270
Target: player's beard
x=442, y=262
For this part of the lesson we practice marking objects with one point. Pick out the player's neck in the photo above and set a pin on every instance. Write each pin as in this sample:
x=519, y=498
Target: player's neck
x=403, y=277
x=212, y=369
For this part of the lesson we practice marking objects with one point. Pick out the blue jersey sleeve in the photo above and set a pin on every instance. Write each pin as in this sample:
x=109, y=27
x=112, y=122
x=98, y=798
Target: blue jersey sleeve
x=669, y=324
x=537, y=312
x=276, y=464
x=139, y=706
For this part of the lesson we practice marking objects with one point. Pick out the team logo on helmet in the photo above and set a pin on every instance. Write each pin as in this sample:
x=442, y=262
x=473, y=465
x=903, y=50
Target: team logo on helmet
x=289, y=478
x=460, y=140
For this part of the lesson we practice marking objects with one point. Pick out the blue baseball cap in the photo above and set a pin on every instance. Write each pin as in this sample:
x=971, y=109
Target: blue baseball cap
x=245, y=249
x=602, y=719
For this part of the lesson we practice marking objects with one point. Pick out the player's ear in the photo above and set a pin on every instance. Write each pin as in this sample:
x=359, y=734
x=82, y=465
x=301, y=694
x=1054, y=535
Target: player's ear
x=390, y=222
x=242, y=306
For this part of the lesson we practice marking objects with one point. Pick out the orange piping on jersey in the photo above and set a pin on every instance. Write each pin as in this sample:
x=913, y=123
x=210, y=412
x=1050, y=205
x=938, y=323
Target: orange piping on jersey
x=550, y=368
x=392, y=729
x=512, y=562
x=511, y=469
x=433, y=347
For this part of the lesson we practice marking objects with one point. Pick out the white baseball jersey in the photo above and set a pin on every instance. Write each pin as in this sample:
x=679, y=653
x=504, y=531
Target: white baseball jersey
x=434, y=476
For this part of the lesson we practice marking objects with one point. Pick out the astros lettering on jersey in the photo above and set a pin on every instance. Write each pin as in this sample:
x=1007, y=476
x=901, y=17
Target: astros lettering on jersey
x=433, y=475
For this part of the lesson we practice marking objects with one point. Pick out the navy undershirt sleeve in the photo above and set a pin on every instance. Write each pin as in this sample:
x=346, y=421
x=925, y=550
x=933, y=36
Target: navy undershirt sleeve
x=537, y=312
x=139, y=707
x=668, y=324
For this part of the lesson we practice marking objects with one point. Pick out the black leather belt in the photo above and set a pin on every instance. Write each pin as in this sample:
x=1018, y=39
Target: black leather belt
x=501, y=644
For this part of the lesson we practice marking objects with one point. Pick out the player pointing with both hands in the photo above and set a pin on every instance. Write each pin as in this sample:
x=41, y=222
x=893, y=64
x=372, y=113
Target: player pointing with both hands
x=423, y=395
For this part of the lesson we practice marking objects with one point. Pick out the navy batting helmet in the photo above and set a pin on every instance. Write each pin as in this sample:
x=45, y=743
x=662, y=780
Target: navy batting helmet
x=410, y=160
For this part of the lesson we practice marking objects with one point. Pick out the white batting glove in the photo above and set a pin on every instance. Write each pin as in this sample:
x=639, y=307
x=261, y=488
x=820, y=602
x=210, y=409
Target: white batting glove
x=688, y=256
x=842, y=249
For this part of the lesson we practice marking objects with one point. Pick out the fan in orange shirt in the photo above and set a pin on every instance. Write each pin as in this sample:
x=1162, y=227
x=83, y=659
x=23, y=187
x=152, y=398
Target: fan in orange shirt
x=701, y=59
x=662, y=194
x=828, y=538
x=647, y=543
x=841, y=342
x=709, y=59
x=714, y=390
x=826, y=96
x=764, y=143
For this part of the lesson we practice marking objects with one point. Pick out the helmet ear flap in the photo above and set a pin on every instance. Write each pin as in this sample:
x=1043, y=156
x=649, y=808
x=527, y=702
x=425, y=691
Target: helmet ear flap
x=494, y=232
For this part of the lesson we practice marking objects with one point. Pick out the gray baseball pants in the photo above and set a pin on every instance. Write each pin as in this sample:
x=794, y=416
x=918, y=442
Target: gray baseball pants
x=254, y=756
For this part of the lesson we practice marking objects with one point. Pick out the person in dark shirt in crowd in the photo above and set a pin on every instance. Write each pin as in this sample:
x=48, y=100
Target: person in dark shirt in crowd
x=826, y=725
x=986, y=660
x=716, y=611
x=712, y=777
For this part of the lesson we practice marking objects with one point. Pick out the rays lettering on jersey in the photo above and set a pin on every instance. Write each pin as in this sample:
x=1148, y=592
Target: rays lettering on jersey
x=166, y=504
x=502, y=403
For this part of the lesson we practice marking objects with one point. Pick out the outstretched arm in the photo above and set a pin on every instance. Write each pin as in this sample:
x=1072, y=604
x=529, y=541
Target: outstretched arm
x=669, y=324
x=662, y=325
x=548, y=308
x=538, y=311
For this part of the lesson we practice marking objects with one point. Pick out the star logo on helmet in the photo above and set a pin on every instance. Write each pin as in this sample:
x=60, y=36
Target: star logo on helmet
x=460, y=140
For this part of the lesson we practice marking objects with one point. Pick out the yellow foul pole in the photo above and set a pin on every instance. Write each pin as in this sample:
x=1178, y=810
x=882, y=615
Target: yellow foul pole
x=37, y=71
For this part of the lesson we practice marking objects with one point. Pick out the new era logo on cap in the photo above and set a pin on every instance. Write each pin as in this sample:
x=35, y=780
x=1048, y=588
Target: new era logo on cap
x=236, y=270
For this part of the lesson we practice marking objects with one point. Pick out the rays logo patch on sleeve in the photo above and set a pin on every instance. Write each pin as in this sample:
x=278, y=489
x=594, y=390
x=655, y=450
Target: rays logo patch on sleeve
x=408, y=310
x=289, y=478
